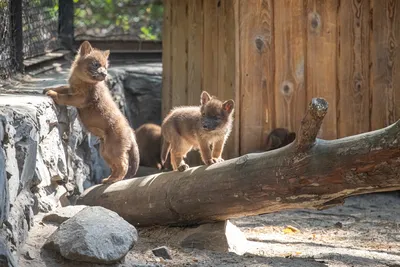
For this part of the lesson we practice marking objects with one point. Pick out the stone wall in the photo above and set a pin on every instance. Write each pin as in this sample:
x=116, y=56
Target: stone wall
x=46, y=157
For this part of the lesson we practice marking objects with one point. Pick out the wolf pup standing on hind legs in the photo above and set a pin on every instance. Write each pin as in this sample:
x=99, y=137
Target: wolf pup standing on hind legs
x=88, y=92
x=190, y=127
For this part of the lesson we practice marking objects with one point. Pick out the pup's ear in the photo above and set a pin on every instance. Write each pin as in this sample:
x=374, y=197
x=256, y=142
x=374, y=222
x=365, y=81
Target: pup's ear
x=228, y=105
x=204, y=98
x=85, y=48
x=106, y=53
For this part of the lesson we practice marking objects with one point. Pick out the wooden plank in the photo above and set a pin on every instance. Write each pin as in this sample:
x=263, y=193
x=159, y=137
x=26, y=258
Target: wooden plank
x=384, y=60
x=226, y=66
x=166, y=60
x=195, y=52
x=321, y=59
x=236, y=127
x=195, y=63
x=353, y=68
x=257, y=73
x=290, y=48
x=179, y=43
x=210, y=44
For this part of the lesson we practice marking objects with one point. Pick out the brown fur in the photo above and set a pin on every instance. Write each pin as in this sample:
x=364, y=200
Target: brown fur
x=88, y=92
x=185, y=128
x=148, y=137
x=279, y=137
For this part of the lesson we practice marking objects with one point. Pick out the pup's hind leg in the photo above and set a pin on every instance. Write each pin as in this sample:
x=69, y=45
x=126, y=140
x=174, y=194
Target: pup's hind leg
x=117, y=158
x=177, y=155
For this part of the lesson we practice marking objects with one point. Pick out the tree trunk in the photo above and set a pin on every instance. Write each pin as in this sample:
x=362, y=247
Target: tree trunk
x=308, y=173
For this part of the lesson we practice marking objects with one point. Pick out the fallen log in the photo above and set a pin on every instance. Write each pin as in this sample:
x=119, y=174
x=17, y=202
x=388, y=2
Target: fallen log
x=308, y=173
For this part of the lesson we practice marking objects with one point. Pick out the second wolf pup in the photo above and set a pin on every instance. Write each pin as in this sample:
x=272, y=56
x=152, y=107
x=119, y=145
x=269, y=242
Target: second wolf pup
x=188, y=127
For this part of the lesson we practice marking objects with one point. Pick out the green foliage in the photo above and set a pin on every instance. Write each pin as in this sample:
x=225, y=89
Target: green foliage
x=135, y=19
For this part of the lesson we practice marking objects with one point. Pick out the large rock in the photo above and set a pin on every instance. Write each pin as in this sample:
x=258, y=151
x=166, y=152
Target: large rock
x=6, y=259
x=46, y=156
x=94, y=234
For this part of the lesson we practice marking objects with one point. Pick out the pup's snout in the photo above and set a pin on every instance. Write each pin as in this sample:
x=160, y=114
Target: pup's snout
x=102, y=71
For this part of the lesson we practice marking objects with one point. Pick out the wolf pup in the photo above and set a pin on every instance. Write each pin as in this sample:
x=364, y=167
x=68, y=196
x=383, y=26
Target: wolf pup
x=88, y=92
x=148, y=137
x=198, y=127
x=279, y=137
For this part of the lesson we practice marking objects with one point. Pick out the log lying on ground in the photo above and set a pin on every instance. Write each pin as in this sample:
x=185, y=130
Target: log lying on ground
x=308, y=173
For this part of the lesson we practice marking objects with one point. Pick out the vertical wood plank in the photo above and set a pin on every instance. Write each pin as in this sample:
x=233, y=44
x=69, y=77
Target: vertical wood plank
x=290, y=93
x=226, y=65
x=179, y=43
x=195, y=51
x=166, y=60
x=257, y=75
x=353, y=68
x=210, y=44
x=321, y=59
x=236, y=127
x=385, y=60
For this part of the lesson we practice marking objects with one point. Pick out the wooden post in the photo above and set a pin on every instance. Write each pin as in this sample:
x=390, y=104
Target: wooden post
x=17, y=34
x=66, y=23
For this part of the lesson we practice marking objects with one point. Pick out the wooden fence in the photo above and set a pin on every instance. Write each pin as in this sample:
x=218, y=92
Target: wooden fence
x=272, y=57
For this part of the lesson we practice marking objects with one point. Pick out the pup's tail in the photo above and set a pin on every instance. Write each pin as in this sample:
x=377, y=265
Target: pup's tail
x=134, y=158
x=166, y=147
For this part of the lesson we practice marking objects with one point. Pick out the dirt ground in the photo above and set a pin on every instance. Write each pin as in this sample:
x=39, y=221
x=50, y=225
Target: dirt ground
x=365, y=231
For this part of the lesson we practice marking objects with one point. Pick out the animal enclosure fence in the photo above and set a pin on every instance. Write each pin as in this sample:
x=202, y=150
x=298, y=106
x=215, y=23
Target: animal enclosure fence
x=30, y=29
x=272, y=57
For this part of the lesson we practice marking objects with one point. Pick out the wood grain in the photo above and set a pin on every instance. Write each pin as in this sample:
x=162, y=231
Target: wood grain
x=290, y=48
x=166, y=61
x=322, y=58
x=353, y=68
x=226, y=66
x=210, y=44
x=179, y=44
x=257, y=73
x=384, y=61
x=195, y=51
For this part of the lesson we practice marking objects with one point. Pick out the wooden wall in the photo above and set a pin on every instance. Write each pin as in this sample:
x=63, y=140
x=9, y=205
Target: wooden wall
x=272, y=57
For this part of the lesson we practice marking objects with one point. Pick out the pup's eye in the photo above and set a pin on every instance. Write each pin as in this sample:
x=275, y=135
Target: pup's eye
x=203, y=114
x=96, y=64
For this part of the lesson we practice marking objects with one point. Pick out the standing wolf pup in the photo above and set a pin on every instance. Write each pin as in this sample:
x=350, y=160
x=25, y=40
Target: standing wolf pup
x=88, y=92
x=190, y=127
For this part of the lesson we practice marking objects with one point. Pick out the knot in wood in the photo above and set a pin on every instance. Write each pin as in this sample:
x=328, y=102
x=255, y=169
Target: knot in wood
x=315, y=21
x=260, y=43
x=242, y=161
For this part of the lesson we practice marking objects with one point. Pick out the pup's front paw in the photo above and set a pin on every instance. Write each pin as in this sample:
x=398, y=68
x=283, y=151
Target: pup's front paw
x=108, y=181
x=219, y=159
x=51, y=93
x=183, y=167
x=46, y=90
x=211, y=161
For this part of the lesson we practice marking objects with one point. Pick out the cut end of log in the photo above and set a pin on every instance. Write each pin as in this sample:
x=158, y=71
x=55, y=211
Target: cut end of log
x=311, y=124
x=319, y=107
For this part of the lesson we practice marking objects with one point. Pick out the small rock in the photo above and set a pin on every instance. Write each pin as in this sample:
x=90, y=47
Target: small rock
x=94, y=234
x=162, y=252
x=29, y=255
x=338, y=225
x=220, y=236
x=60, y=215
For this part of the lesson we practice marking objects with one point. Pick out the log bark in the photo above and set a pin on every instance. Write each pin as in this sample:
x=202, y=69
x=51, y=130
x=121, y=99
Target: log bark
x=309, y=173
